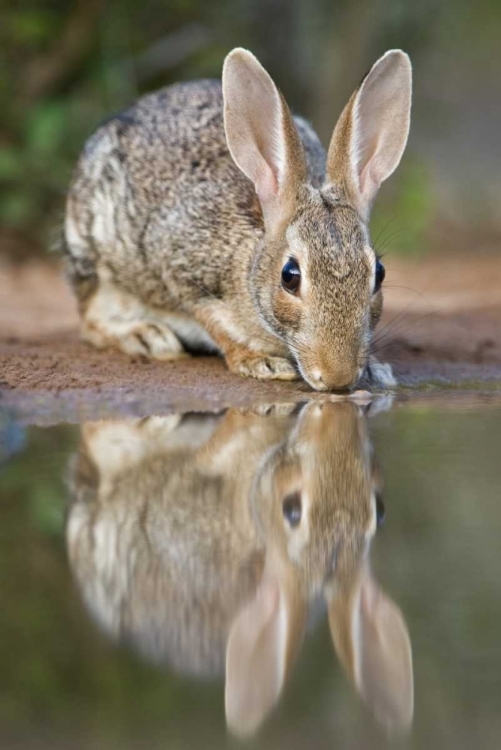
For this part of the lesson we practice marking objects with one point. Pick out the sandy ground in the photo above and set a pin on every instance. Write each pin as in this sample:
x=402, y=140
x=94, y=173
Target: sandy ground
x=442, y=326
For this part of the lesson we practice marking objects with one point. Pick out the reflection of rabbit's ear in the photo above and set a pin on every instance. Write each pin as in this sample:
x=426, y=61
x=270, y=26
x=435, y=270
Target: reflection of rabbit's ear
x=372, y=642
x=263, y=641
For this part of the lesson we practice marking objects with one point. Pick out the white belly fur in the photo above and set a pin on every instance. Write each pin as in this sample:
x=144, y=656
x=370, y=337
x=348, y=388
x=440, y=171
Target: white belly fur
x=190, y=332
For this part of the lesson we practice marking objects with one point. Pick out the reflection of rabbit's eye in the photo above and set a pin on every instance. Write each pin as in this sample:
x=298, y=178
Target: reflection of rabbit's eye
x=291, y=508
x=380, y=274
x=291, y=276
x=380, y=511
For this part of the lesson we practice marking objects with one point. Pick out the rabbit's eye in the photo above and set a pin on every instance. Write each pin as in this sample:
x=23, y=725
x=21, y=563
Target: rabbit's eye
x=380, y=274
x=291, y=508
x=291, y=276
x=380, y=510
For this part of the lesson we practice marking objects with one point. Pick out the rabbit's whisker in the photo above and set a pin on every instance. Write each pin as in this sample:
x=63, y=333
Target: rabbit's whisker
x=381, y=231
x=386, y=341
x=389, y=327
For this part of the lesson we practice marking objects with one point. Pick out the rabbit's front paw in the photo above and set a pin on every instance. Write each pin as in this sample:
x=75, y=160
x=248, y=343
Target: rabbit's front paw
x=269, y=410
x=115, y=318
x=264, y=368
x=143, y=338
x=380, y=374
x=152, y=340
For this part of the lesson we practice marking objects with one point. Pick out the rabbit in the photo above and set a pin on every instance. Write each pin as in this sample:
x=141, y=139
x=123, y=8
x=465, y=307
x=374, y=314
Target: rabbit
x=209, y=543
x=206, y=218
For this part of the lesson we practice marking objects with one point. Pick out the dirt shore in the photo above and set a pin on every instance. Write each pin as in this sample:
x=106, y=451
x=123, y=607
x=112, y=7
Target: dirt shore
x=441, y=328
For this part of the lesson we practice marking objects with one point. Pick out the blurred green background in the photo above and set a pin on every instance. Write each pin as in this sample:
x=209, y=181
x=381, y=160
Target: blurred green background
x=64, y=66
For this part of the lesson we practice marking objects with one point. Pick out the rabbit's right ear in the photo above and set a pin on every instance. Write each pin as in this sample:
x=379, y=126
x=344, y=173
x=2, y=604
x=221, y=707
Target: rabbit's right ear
x=370, y=136
x=372, y=642
x=263, y=642
x=261, y=135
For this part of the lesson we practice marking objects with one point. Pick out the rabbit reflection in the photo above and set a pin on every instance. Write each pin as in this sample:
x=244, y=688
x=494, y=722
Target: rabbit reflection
x=206, y=541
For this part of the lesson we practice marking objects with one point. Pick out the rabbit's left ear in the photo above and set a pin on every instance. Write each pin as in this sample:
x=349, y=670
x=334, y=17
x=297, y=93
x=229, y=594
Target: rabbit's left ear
x=370, y=136
x=263, y=642
x=372, y=642
x=261, y=135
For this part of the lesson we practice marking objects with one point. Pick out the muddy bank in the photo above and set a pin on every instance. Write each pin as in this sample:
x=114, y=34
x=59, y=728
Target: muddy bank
x=441, y=328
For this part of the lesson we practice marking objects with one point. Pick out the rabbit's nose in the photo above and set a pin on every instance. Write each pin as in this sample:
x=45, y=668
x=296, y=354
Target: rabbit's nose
x=338, y=378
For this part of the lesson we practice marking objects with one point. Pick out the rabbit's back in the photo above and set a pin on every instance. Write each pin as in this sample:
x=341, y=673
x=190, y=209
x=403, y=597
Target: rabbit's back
x=156, y=197
x=157, y=540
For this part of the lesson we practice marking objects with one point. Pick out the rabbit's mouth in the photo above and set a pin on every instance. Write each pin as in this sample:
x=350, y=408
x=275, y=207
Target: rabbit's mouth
x=316, y=381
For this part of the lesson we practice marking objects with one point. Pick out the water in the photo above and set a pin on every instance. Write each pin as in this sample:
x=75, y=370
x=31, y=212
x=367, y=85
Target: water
x=340, y=564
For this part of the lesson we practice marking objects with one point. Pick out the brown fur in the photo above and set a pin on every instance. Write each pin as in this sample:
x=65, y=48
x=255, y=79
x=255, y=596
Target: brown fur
x=178, y=540
x=171, y=247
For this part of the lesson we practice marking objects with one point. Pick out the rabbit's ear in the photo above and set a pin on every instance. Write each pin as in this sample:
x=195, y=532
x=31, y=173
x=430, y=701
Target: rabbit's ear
x=261, y=135
x=372, y=642
x=370, y=136
x=263, y=641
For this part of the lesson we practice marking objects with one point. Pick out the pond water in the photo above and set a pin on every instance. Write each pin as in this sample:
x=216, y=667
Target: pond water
x=325, y=575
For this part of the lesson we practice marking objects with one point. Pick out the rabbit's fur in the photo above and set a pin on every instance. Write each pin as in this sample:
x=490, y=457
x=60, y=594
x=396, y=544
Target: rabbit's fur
x=184, y=209
x=181, y=541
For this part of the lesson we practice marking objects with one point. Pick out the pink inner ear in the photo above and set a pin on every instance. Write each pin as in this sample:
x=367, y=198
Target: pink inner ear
x=266, y=183
x=366, y=181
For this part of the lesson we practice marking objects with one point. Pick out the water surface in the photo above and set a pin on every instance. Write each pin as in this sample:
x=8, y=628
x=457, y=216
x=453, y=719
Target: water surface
x=315, y=576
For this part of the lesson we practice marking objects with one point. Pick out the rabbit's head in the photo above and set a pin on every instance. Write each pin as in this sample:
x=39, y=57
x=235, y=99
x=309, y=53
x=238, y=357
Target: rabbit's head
x=317, y=505
x=315, y=496
x=316, y=279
